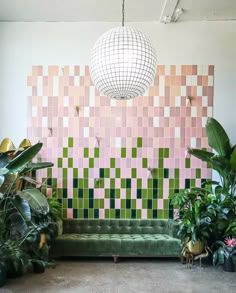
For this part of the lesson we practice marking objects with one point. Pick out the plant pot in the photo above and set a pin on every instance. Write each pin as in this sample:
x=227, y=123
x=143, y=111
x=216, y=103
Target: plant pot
x=3, y=274
x=228, y=265
x=195, y=248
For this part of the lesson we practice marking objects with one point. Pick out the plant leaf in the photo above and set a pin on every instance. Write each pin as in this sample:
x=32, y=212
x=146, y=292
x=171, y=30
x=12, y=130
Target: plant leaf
x=233, y=159
x=37, y=166
x=36, y=200
x=22, y=207
x=217, y=137
x=19, y=162
x=201, y=154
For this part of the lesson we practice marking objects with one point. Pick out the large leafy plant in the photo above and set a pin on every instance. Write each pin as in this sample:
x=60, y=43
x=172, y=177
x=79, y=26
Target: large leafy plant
x=223, y=160
x=196, y=214
x=24, y=213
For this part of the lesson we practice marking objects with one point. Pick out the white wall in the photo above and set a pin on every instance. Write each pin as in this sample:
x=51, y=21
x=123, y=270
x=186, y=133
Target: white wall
x=25, y=44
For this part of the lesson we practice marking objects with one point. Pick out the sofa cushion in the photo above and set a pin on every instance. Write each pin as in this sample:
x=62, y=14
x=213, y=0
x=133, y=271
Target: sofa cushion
x=117, y=244
x=116, y=226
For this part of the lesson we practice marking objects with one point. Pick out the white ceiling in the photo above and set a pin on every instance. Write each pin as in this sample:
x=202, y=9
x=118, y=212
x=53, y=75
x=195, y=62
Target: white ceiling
x=110, y=10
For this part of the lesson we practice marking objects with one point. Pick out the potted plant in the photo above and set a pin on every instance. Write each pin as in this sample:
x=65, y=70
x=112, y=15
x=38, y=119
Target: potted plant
x=228, y=249
x=195, y=214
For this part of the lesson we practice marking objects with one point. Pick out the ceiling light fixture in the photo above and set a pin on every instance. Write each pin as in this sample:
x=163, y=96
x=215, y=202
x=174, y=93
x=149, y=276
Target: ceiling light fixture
x=123, y=62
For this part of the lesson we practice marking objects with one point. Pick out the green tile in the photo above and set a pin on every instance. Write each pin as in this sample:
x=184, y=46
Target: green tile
x=80, y=213
x=59, y=162
x=149, y=214
x=123, y=183
x=86, y=172
x=144, y=193
x=112, y=214
x=86, y=203
x=49, y=172
x=91, y=213
x=177, y=173
x=96, y=152
x=122, y=213
x=166, y=204
x=150, y=183
x=86, y=183
x=128, y=214
x=96, y=203
x=161, y=153
x=64, y=203
x=106, y=173
x=64, y=213
x=144, y=203
x=133, y=172
x=112, y=183
x=161, y=163
x=112, y=162
x=86, y=152
x=70, y=162
x=150, y=193
x=166, y=214
x=139, y=142
x=139, y=183
x=75, y=173
x=75, y=203
x=81, y=183
x=134, y=153
x=171, y=183
x=107, y=193
x=133, y=203
x=65, y=152
x=117, y=172
x=187, y=162
x=70, y=142
x=144, y=162
x=166, y=153
x=198, y=173
x=117, y=194
x=123, y=152
x=101, y=203
x=107, y=214
x=91, y=162
x=123, y=203
x=193, y=183
x=128, y=193
x=138, y=214
x=154, y=204
x=75, y=192
x=59, y=193
x=160, y=214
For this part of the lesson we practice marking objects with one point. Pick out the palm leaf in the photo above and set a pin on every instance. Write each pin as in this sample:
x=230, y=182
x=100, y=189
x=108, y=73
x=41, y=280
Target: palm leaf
x=19, y=162
x=217, y=137
x=36, y=200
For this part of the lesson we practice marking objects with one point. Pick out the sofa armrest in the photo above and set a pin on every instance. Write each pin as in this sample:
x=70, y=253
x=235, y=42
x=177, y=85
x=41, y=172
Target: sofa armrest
x=59, y=227
x=173, y=228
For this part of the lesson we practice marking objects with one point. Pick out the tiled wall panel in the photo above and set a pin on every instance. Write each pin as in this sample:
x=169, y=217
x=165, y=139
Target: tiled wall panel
x=119, y=159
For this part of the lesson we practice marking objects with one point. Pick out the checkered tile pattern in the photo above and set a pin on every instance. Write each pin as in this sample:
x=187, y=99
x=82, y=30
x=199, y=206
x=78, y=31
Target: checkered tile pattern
x=119, y=159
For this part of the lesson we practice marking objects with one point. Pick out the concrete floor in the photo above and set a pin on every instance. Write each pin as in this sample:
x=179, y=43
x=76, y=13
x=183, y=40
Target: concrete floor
x=128, y=276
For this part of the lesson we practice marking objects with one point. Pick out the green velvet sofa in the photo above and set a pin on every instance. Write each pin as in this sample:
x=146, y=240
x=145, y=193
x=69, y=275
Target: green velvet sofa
x=117, y=238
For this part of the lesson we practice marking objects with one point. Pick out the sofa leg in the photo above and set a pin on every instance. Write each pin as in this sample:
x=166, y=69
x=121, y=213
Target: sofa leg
x=115, y=258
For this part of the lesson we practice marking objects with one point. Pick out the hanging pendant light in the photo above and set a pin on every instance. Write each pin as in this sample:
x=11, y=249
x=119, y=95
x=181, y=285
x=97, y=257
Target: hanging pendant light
x=123, y=62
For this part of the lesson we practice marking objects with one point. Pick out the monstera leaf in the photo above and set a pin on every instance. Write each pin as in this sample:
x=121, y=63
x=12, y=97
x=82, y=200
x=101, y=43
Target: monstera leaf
x=218, y=138
x=18, y=163
x=233, y=159
x=36, y=200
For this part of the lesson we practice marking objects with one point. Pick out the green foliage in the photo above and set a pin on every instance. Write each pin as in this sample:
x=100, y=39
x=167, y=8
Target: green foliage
x=24, y=214
x=224, y=158
x=196, y=214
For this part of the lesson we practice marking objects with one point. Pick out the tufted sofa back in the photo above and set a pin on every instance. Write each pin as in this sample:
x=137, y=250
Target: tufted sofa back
x=117, y=226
